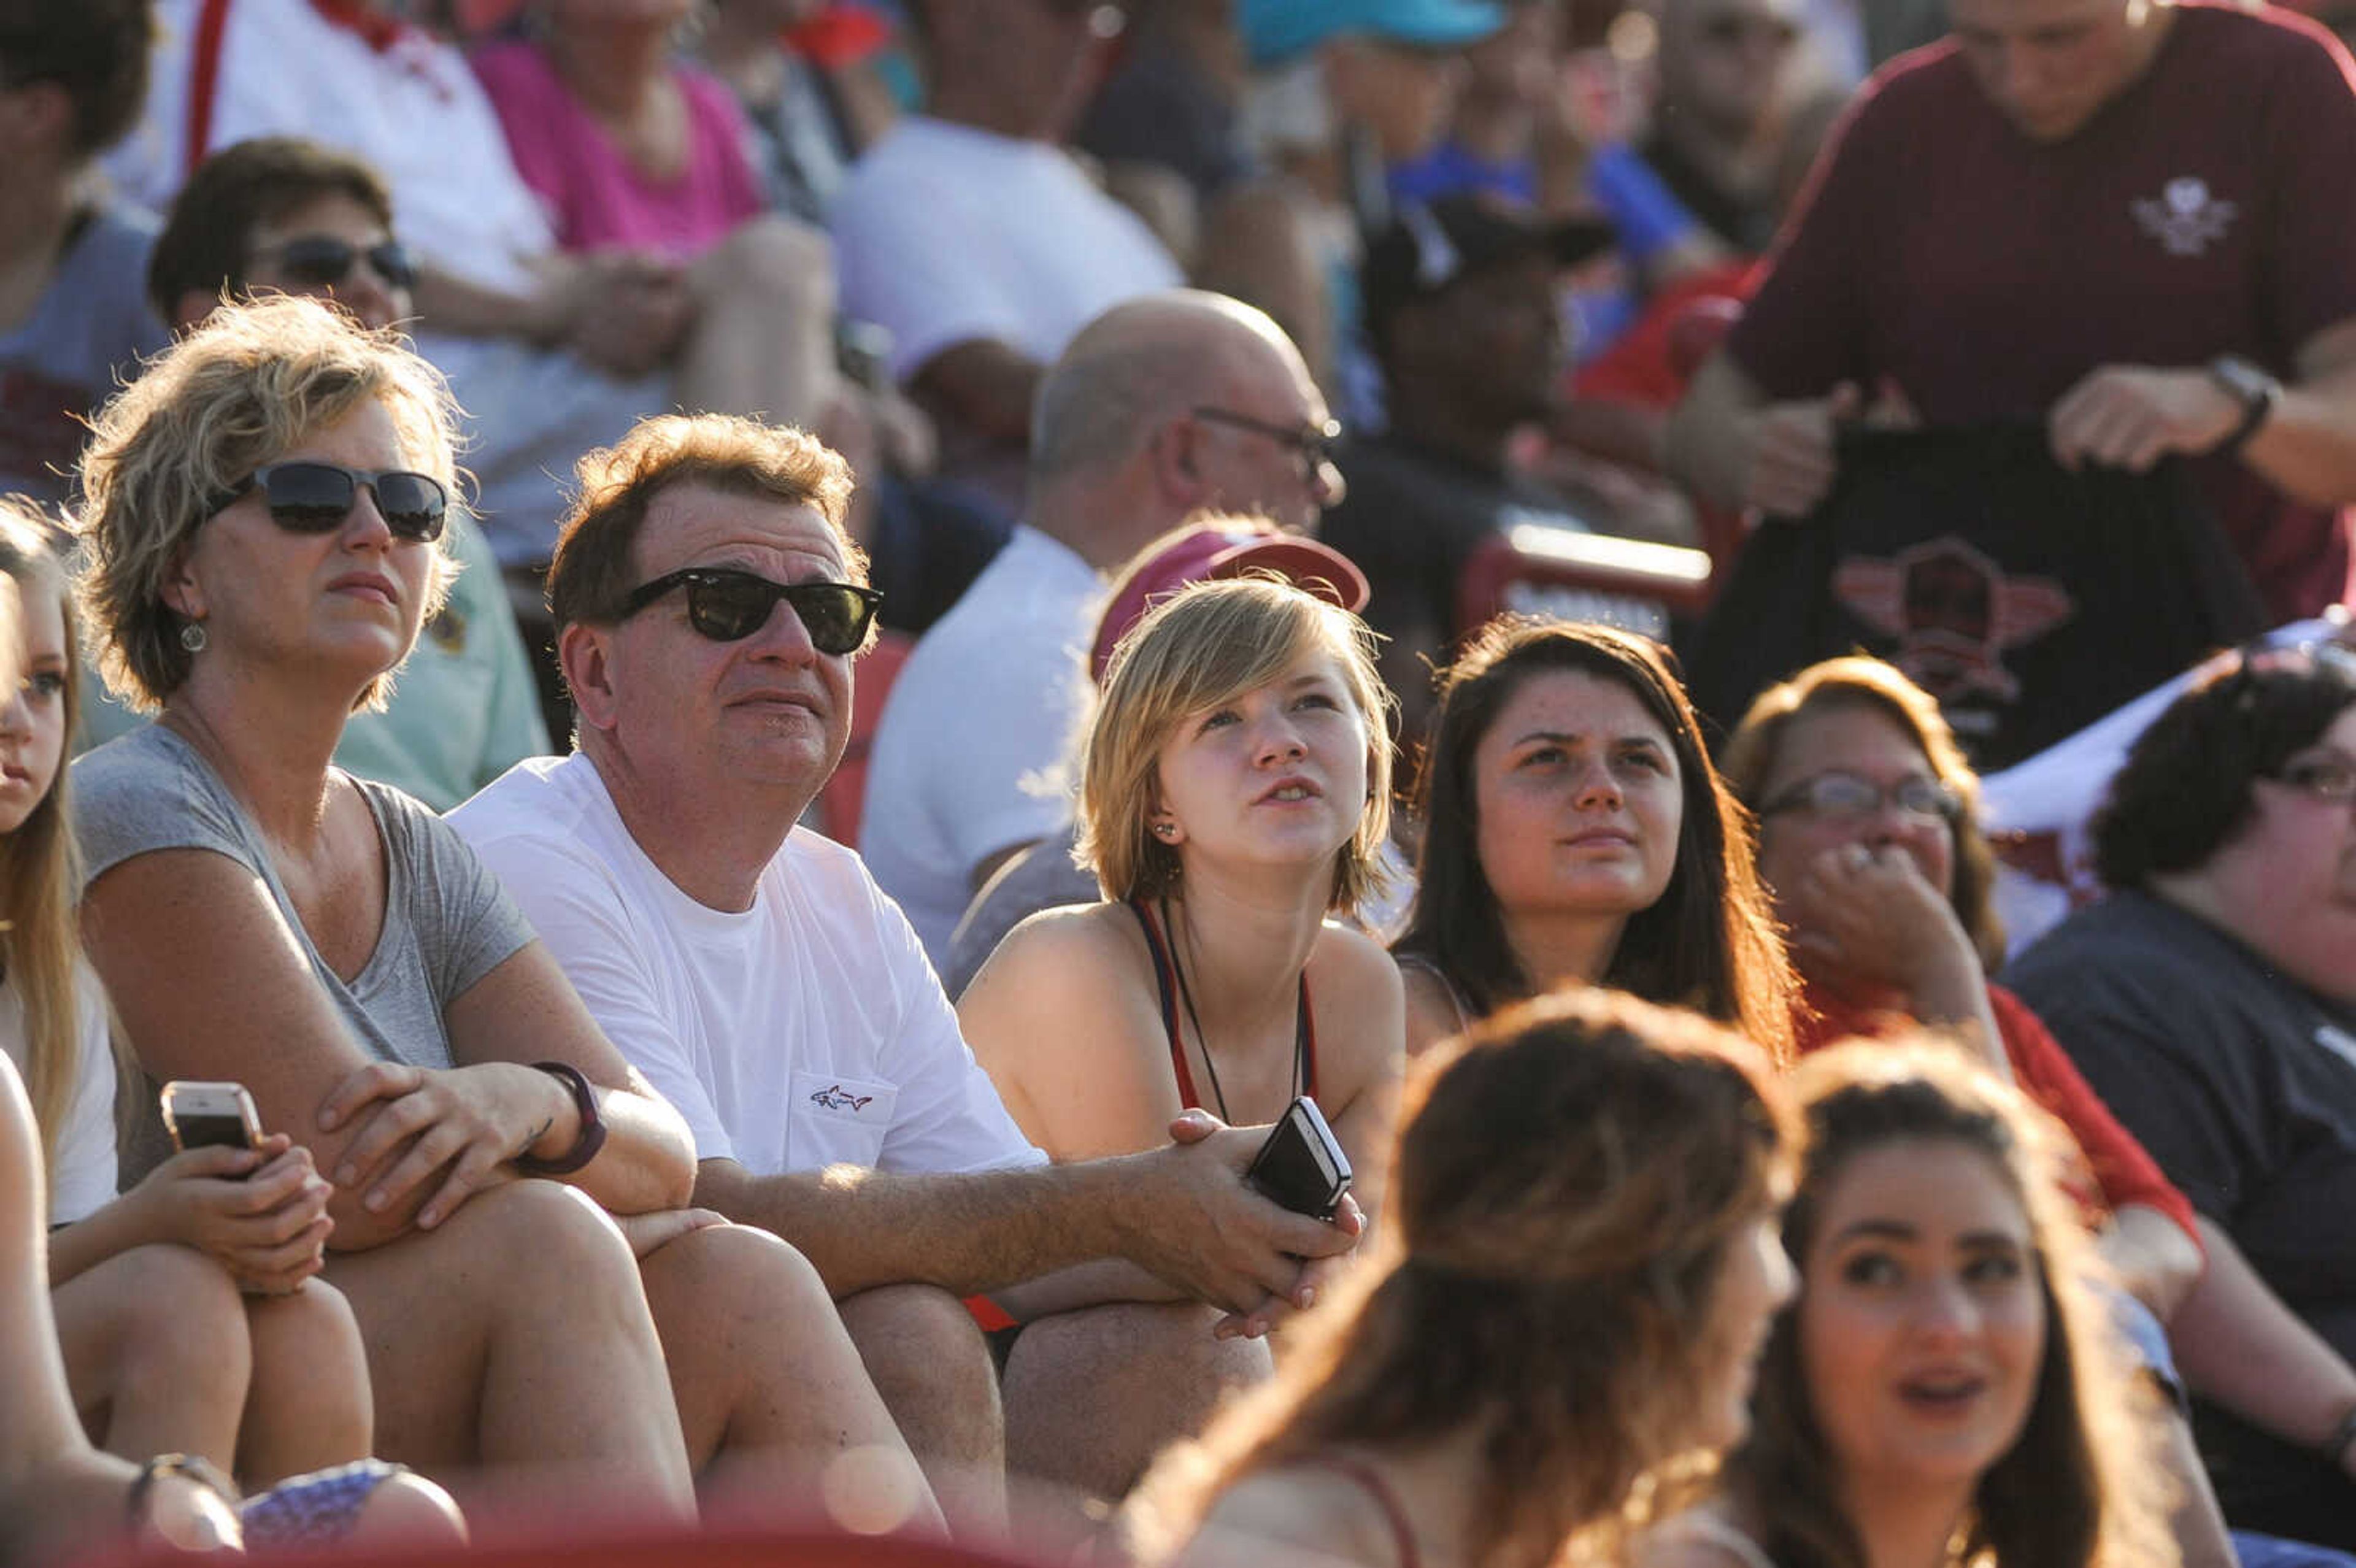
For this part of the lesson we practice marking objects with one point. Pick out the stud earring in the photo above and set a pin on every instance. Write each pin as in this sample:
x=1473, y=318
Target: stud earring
x=1165, y=831
x=192, y=636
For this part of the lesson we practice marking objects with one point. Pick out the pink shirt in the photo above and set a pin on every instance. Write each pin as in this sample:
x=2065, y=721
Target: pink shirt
x=596, y=198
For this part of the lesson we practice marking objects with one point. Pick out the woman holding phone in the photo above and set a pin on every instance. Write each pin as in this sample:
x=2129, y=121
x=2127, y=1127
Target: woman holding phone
x=1235, y=793
x=187, y=1308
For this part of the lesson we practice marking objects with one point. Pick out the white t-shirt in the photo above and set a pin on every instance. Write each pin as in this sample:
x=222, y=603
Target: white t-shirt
x=947, y=234
x=969, y=755
x=807, y=1031
x=405, y=103
x=84, y=1179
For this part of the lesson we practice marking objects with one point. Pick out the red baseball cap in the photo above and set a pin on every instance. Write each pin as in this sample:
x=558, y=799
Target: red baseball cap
x=1227, y=548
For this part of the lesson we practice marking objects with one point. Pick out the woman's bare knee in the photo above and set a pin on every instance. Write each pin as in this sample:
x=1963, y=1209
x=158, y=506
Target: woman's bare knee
x=310, y=1405
x=410, y=1511
x=156, y=1337
x=772, y=259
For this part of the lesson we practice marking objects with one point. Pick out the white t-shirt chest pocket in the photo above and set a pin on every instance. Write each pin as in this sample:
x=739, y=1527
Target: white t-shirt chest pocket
x=832, y=1120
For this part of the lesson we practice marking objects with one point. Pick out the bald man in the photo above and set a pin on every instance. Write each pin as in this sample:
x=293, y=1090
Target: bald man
x=1160, y=408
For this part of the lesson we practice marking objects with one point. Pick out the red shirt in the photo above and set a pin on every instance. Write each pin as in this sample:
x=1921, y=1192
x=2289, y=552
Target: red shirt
x=2121, y=1169
x=2209, y=208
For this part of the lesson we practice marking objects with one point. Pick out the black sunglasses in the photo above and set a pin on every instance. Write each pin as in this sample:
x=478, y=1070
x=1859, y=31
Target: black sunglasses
x=728, y=606
x=315, y=498
x=322, y=261
x=1312, y=443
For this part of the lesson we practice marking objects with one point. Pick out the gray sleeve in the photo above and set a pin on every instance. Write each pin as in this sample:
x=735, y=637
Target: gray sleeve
x=466, y=923
x=144, y=793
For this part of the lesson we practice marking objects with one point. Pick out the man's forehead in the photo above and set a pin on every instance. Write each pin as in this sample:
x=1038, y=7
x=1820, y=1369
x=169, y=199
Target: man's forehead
x=2025, y=16
x=698, y=525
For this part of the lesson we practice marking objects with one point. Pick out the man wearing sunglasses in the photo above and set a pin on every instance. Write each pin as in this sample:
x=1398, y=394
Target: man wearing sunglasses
x=280, y=215
x=1716, y=140
x=1160, y=408
x=709, y=610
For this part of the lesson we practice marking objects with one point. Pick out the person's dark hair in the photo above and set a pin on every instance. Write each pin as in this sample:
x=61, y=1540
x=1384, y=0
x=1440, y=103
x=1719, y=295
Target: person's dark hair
x=237, y=192
x=2078, y=1488
x=1710, y=941
x=1752, y=751
x=593, y=574
x=96, y=49
x=2185, y=787
x=1567, y=1178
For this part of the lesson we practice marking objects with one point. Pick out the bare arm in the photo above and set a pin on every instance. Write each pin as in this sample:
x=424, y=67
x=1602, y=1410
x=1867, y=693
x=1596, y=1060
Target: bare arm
x=203, y=968
x=1732, y=447
x=1432, y=1014
x=2153, y=1257
x=1181, y=1212
x=2130, y=416
x=2240, y=1346
x=983, y=386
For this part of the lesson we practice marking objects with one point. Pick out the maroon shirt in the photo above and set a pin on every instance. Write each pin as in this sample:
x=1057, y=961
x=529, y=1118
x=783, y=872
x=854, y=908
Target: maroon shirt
x=2209, y=208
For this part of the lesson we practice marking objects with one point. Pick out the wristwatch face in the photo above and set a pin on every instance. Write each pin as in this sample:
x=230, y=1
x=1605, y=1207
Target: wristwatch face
x=2243, y=380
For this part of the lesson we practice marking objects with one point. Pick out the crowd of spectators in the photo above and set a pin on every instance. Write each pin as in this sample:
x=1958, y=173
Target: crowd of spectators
x=775, y=673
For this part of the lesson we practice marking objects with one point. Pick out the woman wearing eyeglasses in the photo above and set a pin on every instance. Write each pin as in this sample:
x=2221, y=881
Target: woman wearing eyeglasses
x=264, y=516
x=1869, y=844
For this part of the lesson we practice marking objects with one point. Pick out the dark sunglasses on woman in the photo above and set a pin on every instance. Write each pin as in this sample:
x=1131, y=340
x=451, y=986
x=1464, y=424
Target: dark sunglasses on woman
x=315, y=498
x=728, y=605
x=323, y=261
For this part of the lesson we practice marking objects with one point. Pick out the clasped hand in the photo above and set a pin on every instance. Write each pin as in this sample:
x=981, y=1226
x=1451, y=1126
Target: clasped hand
x=1226, y=1245
x=409, y=1123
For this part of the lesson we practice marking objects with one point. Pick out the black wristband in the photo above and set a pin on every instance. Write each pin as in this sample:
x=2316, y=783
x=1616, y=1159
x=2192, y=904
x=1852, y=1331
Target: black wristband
x=593, y=1127
x=2256, y=391
x=2334, y=1448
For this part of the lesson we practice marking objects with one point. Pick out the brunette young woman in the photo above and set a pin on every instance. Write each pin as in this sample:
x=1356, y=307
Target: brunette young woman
x=1575, y=832
x=1578, y=1274
x=1945, y=1390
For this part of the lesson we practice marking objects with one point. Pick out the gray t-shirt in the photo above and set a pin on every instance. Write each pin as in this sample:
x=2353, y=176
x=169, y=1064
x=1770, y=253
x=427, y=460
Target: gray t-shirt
x=447, y=921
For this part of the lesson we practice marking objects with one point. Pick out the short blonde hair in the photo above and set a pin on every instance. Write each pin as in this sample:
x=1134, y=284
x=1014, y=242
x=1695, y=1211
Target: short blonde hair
x=248, y=384
x=1207, y=643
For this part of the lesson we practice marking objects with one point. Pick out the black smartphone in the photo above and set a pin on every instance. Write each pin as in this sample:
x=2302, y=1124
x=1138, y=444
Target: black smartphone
x=199, y=1116
x=1301, y=1166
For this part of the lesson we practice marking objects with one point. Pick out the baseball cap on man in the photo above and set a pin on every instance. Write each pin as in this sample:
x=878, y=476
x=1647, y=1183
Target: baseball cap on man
x=1229, y=548
x=1428, y=246
x=1274, y=31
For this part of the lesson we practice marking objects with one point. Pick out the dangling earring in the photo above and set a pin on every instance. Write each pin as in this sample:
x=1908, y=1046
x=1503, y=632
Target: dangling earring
x=192, y=636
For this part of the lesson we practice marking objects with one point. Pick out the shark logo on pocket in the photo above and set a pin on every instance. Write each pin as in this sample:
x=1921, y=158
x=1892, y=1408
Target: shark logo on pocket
x=835, y=1097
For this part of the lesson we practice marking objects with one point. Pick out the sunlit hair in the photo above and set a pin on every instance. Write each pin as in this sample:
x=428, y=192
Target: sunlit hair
x=1708, y=942
x=2079, y=1487
x=592, y=576
x=1207, y=643
x=2185, y=787
x=1567, y=1178
x=40, y=876
x=1755, y=750
x=238, y=391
